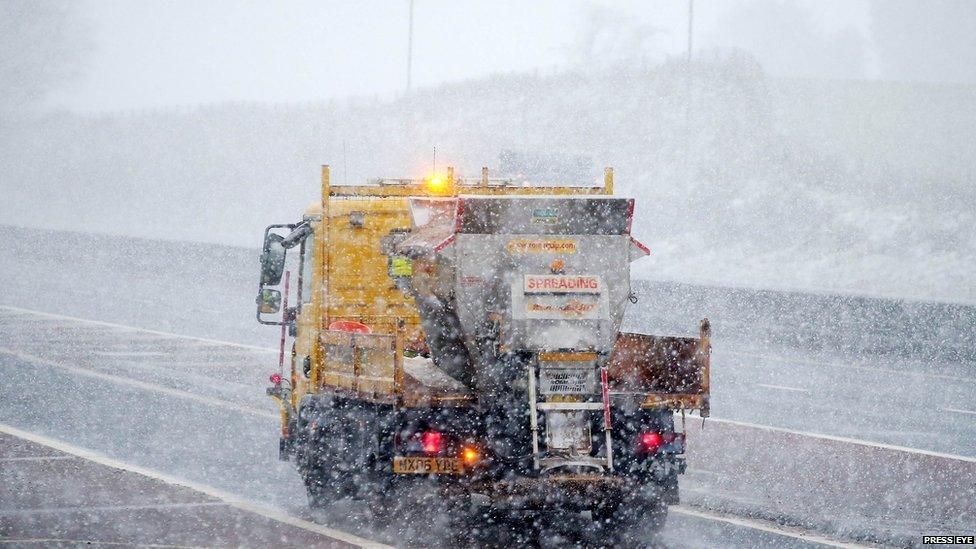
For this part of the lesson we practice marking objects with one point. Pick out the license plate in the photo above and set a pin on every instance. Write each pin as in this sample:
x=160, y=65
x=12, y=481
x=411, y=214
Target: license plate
x=427, y=465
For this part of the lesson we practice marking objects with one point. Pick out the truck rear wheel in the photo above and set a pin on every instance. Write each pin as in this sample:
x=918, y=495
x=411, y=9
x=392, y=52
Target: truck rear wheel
x=321, y=493
x=319, y=451
x=317, y=472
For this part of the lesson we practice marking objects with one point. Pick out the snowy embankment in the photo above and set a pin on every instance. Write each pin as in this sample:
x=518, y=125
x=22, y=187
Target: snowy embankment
x=850, y=187
x=207, y=290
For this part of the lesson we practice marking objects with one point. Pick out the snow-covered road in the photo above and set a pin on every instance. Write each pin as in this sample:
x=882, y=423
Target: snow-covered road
x=194, y=408
x=196, y=416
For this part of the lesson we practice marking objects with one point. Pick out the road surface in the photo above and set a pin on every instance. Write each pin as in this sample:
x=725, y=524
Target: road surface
x=783, y=394
x=54, y=494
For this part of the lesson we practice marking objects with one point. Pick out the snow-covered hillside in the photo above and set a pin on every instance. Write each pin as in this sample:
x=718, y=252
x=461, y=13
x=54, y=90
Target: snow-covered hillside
x=862, y=187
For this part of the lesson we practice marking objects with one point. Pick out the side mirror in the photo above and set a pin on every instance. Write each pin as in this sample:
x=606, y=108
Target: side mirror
x=268, y=301
x=272, y=260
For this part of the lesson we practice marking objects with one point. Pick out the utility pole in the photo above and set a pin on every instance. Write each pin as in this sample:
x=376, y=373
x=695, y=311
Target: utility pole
x=410, y=48
x=688, y=93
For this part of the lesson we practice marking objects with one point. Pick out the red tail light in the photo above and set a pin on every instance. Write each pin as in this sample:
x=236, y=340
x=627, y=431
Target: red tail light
x=431, y=441
x=653, y=442
x=650, y=442
x=275, y=379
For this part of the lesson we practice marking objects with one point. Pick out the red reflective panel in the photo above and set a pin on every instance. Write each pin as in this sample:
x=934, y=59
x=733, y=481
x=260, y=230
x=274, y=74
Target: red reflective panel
x=350, y=326
x=651, y=442
x=432, y=442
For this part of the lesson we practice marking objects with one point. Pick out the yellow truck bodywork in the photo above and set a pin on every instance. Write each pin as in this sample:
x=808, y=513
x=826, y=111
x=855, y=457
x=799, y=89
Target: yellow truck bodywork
x=350, y=280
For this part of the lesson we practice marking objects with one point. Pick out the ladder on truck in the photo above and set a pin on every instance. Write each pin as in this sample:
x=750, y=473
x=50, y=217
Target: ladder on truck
x=587, y=403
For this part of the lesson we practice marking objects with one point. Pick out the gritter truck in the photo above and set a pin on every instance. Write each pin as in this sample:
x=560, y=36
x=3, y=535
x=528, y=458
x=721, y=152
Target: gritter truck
x=464, y=334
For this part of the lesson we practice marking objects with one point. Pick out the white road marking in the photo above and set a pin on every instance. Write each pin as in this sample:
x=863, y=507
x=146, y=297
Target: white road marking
x=772, y=528
x=846, y=440
x=958, y=411
x=783, y=388
x=197, y=380
x=126, y=354
x=96, y=508
x=35, y=458
x=703, y=472
x=226, y=497
x=121, y=380
x=44, y=542
x=848, y=365
x=134, y=329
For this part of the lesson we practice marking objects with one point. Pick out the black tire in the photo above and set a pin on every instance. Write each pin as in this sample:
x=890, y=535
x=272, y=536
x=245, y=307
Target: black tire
x=319, y=474
x=318, y=451
x=320, y=493
x=321, y=487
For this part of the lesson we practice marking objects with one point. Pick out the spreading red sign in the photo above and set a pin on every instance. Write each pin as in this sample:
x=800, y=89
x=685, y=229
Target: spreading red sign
x=562, y=284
